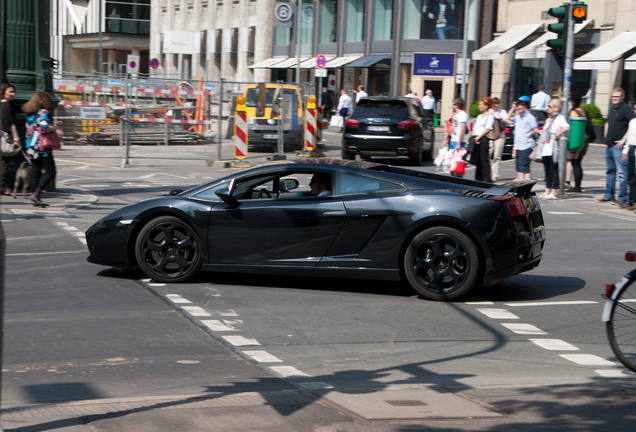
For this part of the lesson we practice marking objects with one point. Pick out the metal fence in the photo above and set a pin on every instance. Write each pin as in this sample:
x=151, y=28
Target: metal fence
x=123, y=110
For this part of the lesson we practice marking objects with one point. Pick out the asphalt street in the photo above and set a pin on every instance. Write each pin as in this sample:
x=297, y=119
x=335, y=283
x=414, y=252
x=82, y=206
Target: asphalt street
x=93, y=348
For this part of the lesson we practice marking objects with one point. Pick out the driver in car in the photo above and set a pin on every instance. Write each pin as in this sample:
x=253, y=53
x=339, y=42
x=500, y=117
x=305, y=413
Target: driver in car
x=320, y=185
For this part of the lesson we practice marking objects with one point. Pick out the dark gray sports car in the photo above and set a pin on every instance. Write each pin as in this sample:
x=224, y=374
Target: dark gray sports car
x=443, y=235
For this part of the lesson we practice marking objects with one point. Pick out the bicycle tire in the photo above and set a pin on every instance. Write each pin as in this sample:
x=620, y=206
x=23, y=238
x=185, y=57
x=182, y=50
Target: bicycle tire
x=621, y=327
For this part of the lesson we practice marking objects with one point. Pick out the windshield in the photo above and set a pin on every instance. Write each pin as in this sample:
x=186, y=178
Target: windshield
x=381, y=108
x=252, y=96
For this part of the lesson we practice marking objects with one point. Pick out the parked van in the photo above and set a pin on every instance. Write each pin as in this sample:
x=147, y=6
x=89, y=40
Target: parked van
x=263, y=115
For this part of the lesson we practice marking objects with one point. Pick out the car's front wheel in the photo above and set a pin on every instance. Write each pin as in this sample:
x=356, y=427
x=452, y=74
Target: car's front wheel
x=168, y=250
x=442, y=263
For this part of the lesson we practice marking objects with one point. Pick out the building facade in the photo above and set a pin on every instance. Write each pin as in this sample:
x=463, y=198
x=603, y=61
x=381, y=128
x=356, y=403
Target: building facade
x=75, y=34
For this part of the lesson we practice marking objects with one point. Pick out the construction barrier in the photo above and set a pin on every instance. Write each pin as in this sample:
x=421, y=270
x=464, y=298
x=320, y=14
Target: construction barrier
x=240, y=129
x=310, y=124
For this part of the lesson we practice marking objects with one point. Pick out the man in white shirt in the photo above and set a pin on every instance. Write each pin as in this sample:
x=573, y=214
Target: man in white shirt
x=428, y=103
x=460, y=119
x=496, y=146
x=540, y=99
x=344, y=103
x=360, y=93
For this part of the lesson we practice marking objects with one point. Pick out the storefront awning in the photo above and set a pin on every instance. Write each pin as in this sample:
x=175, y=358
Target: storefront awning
x=267, y=63
x=630, y=63
x=369, y=60
x=515, y=35
x=602, y=57
x=341, y=61
x=538, y=49
x=311, y=63
x=290, y=62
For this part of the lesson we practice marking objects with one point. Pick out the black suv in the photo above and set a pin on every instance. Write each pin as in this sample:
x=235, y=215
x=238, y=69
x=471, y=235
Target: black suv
x=389, y=127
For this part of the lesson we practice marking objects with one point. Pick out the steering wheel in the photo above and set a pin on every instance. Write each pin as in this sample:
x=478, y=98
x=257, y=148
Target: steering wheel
x=260, y=193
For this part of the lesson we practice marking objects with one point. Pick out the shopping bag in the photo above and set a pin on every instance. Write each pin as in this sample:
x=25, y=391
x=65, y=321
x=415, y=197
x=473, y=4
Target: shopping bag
x=336, y=121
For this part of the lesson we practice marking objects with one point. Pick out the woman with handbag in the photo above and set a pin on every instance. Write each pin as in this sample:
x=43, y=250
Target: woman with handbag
x=9, y=131
x=39, y=123
x=555, y=127
x=483, y=125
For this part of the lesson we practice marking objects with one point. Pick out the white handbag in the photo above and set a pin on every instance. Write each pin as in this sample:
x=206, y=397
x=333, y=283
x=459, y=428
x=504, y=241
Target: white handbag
x=336, y=121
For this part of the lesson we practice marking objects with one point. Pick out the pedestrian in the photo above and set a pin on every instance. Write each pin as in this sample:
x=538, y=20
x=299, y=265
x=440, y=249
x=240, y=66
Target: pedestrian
x=485, y=123
x=38, y=117
x=360, y=93
x=460, y=120
x=574, y=161
x=615, y=133
x=428, y=103
x=540, y=99
x=445, y=19
x=8, y=126
x=526, y=127
x=630, y=157
x=496, y=146
x=554, y=128
x=344, y=105
x=327, y=103
x=411, y=95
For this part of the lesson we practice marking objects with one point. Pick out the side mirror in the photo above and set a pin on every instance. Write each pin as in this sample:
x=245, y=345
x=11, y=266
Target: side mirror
x=288, y=184
x=228, y=199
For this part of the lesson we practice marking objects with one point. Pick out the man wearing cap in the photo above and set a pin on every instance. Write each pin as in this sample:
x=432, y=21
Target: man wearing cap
x=526, y=127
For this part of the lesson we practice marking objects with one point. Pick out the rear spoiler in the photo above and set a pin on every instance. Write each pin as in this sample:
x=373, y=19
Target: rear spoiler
x=520, y=188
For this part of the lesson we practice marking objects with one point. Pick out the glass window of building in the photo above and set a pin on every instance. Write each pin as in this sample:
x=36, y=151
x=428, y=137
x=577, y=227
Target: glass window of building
x=307, y=28
x=443, y=19
x=282, y=36
x=412, y=19
x=128, y=16
x=383, y=20
x=328, y=21
x=355, y=21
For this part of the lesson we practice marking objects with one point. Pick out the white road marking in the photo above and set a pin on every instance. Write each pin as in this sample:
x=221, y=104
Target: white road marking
x=70, y=228
x=557, y=303
x=62, y=223
x=88, y=186
x=565, y=213
x=22, y=211
x=263, y=357
x=79, y=234
x=196, y=311
x=497, y=313
x=315, y=385
x=174, y=298
x=479, y=303
x=81, y=167
x=240, y=340
x=587, y=359
x=148, y=280
x=229, y=312
x=554, y=344
x=216, y=325
x=627, y=301
x=523, y=328
x=82, y=240
x=615, y=373
x=289, y=372
x=157, y=284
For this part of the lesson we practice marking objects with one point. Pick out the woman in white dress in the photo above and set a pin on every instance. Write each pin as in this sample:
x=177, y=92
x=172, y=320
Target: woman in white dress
x=554, y=128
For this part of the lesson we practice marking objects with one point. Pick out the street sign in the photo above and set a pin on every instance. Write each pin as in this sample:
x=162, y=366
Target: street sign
x=154, y=63
x=133, y=64
x=321, y=62
x=321, y=73
x=93, y=113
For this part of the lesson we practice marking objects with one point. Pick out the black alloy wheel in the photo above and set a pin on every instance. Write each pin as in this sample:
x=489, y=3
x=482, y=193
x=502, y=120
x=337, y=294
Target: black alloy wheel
x=442, y=263
x=168, y=250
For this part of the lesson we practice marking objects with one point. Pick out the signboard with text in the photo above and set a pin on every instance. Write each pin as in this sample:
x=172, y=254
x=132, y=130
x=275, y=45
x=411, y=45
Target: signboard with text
x=95, y=113
x=434, y=65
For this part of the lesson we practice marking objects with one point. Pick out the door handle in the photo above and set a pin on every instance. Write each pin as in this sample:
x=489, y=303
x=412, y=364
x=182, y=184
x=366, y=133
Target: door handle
x=338, y=213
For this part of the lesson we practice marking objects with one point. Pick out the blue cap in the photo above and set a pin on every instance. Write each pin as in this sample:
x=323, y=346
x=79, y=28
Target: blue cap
x=524, y=98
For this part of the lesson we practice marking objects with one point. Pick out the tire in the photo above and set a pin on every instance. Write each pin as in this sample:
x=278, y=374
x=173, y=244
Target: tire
x=415, y=159
x=175, y=260
x=429, y=136
x=347, y=155
x=442, y=264
x=621, y=327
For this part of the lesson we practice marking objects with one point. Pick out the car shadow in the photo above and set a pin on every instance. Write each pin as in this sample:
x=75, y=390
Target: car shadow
x=528, y=287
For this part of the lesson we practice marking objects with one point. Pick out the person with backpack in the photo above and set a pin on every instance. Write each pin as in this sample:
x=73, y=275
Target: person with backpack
x=575, y=157
x=496, y=146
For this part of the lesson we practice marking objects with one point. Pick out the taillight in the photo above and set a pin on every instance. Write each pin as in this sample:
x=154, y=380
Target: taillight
x=609, y=290
x=630, y=256
x=352, y=123
x=506, y=130
x=513, y=204
x=407, y=124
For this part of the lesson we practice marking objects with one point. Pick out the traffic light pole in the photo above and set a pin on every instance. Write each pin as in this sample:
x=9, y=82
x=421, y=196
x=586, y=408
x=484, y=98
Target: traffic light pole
x=565, y=109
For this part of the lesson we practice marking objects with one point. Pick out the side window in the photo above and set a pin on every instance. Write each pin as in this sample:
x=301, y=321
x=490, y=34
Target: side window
x=210, y=193
x=352, y=184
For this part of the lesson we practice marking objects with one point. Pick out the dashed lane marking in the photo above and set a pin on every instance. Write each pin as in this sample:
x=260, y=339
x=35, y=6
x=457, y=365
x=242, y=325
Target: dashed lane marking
x=497, y=313
x=554, y=344
x=196, y=311
x=175, y=298
x=528, y=329
x=289, y=372
x=69, y=228
x=565, y=213
x=216, y=325
x=587, y=359
x=479, y=303
x=262, y=357
x=240, y=340
x=229, y=312
x=615, y=373
x=558, y=303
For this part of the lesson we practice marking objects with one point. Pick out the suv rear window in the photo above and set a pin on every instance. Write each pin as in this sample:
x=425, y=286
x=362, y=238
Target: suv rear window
x=252, y=93
x=384, y=108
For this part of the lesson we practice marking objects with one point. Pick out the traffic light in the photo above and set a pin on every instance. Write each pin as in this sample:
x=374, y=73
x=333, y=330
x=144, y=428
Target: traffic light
x=579, y=12
x=560, y=28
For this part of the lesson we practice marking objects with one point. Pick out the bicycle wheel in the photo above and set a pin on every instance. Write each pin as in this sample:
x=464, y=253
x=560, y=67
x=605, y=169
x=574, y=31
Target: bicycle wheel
x=621, y=327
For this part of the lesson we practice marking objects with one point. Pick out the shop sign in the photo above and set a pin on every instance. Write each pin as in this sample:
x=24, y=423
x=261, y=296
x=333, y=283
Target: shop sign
x=434, y=65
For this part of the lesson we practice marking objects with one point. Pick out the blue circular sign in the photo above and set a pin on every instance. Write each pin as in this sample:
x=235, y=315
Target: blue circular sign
x=321, y=61
x=154, y=63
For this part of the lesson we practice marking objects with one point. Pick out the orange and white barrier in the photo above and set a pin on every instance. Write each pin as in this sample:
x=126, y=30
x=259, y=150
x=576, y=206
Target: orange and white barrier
x=167, y=120
x=82, y=88
x=310, y=124
x=319, y=129
x=240, y=129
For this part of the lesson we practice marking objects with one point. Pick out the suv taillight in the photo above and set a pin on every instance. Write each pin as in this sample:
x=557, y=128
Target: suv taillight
x=407, y=124
x=352, y=123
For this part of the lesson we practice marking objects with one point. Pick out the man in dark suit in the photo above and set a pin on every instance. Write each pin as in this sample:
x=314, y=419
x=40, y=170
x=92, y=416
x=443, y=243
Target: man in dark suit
x=444, y=18
x=327, y=103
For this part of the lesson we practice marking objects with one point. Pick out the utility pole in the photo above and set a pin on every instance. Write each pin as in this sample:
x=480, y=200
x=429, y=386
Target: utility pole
x=298, y=24
x=465, y=53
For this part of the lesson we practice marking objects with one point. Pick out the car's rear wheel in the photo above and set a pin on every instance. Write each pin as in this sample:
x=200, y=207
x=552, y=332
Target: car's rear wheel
x=442, y=263
x=168, y=250
x=347, y=155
